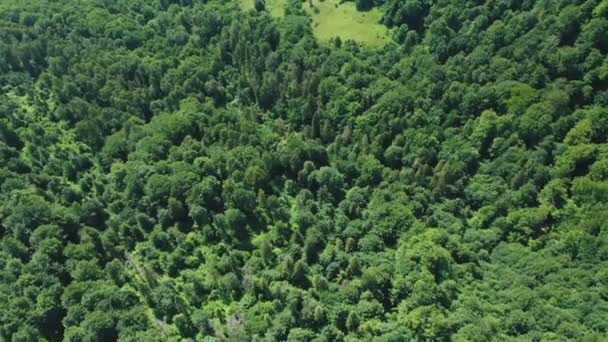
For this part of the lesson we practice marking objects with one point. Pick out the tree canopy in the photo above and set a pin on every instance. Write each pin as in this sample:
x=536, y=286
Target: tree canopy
x=174, y=170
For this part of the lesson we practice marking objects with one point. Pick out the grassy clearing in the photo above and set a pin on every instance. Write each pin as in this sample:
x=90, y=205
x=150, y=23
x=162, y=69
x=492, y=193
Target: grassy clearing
x=276, y=8
x=333, y=19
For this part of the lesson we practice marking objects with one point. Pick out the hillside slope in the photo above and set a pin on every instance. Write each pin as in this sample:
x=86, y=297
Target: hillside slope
x=177, y=169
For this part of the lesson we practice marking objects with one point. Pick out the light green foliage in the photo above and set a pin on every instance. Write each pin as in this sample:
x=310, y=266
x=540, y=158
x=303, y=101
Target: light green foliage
x=223, y=170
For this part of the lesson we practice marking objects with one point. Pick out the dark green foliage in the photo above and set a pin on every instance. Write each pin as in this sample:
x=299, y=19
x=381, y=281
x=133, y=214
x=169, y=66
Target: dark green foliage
x=364, y=5
x=259, y=5
x=177, y=170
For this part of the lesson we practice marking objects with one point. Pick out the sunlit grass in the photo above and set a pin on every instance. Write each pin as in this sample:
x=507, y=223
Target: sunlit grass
x=333, y=19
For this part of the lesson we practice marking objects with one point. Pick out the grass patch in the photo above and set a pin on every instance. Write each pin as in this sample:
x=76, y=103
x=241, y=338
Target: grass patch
x=276, y=8
x=332, y=19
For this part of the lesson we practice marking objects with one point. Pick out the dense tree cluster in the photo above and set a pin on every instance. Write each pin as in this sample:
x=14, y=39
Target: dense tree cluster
x=176, y=169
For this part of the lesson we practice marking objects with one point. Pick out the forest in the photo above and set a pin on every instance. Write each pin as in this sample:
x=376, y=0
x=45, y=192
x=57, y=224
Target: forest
x=209, y=170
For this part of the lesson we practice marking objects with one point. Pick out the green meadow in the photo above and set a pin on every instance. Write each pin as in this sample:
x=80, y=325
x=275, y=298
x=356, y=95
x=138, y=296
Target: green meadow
x=332, y=19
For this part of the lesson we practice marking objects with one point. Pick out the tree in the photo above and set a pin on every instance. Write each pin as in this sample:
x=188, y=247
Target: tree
x=331, y=179
x=364, y=5
x=352, y=322
x=241, y=179
x=299, y=274
x=259, y=5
